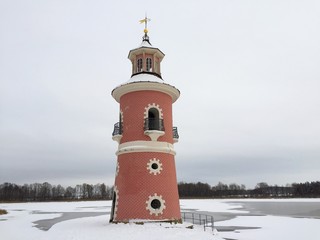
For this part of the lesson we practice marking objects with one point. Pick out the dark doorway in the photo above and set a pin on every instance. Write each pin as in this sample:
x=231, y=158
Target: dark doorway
x=113, y=206
x=153, y=116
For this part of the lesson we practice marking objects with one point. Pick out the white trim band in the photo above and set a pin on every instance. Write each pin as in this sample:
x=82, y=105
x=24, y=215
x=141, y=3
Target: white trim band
x=119, y=91
x=145, y=146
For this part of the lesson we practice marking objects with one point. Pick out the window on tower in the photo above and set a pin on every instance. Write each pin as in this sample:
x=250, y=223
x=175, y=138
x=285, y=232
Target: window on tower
x=155, y=204
x=153, y=116
x=153, y=122
x=149, y=64
x=139, y=65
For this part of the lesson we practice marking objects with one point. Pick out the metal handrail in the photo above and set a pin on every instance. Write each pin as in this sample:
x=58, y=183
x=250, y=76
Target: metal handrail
x=153, y=124
x=200, y=219
x=117, y=130
x=175, y=132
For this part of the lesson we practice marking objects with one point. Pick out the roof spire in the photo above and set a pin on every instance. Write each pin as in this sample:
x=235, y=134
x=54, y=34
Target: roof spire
x=145, y=21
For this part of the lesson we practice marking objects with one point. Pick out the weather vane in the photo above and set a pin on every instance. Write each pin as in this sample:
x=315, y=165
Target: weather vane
x=145, y=21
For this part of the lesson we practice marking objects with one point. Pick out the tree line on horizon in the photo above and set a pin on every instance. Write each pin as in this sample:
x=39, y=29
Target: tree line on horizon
x=261, y=190
x=47, y=192
x=10, y=192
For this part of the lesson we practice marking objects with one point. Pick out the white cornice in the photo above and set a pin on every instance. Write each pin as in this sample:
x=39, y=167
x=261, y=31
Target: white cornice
x=119, y=91
x=145, y=146
x=148, y=50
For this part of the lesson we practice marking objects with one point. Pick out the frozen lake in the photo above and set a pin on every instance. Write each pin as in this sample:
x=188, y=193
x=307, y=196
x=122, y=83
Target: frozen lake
x=259, y=219
x=295, y=219
x=300, y=209
x=303, y=208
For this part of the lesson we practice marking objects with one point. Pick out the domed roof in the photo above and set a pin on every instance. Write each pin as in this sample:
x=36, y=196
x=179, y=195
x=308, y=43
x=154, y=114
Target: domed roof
x=144, y=77
x=145, y=45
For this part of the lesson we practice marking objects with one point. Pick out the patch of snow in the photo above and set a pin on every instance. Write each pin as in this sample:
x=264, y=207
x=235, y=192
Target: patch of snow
x=85, y=206
x=144, y=77
x=210, y=205
x=19, y=223
x=273, y=200
x=275, y=228
x=21, y=217
x=99, y=228
x=146, y=44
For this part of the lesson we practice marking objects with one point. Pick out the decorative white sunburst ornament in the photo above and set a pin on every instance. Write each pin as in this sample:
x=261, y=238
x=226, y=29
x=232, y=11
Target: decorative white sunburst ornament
x=155, y=204
x=153, y=105
x=154, y=166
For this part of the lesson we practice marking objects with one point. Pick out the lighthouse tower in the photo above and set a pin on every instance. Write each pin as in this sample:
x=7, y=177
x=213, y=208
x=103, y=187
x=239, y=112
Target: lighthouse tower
x=145, y=181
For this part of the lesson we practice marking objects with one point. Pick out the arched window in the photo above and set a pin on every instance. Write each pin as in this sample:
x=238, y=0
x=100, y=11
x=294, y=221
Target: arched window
x=154, y=122
x=149, y=64
x=139, y=65
x=153, y=116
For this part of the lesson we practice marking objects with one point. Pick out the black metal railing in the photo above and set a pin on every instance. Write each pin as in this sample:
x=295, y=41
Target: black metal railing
x=117, y=130
x=199, y=219
x=153, y=124
x=175, y=133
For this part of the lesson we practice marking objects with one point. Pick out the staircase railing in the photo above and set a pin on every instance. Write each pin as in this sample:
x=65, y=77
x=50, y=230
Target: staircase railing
x=199, y=219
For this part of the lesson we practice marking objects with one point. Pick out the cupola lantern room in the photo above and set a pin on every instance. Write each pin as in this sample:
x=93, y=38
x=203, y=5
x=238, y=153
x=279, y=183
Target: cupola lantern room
x=145, y=186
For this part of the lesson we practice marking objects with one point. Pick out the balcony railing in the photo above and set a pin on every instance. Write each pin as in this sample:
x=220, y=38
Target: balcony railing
x=153, y=124
x=117, y=130
x=175, y=133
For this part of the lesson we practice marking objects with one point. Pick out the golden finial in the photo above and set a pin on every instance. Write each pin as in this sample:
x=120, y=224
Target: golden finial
x=145, y=21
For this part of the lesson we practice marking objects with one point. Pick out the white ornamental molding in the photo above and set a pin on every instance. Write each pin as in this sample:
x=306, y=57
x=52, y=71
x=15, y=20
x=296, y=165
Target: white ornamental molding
x=117, y=168
x=153, y=105
x=154, y=166
x=155, y=204
x=135, y=85
x=145, y=146
x=115, y=189
x=121, y=116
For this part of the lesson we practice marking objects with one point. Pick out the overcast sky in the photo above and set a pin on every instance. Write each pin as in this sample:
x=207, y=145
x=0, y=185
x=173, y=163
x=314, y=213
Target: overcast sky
x=248, y=72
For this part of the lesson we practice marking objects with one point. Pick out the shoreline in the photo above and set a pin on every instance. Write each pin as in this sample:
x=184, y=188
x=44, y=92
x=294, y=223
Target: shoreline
x=281, y=208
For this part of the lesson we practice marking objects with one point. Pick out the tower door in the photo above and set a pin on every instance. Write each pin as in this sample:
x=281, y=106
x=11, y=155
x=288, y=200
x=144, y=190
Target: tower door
x=113, y=206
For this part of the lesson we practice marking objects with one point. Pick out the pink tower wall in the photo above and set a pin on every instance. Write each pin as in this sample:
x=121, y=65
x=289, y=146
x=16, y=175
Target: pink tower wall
x=133, y=107
x=134, y=182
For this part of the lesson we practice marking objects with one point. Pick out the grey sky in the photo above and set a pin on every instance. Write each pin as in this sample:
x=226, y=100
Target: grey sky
x=248, y=72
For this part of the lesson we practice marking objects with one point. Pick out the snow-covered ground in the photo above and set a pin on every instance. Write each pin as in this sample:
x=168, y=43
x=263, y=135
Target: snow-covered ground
x=89, y=221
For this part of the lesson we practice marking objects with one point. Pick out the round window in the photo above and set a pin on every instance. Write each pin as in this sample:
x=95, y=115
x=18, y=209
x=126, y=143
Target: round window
x=155, y=204
x=154, y=166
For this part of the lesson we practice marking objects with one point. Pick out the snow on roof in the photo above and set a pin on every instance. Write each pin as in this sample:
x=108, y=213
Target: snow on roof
x=144, y=77
x=146, y=44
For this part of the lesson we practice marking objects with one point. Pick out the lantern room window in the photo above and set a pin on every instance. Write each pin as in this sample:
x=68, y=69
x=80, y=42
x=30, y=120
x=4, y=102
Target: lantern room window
x=149, y=64
x=139, y=65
